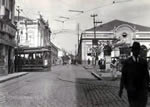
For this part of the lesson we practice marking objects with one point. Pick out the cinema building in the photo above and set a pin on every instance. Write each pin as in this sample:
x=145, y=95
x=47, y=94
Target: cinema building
x=118, y=33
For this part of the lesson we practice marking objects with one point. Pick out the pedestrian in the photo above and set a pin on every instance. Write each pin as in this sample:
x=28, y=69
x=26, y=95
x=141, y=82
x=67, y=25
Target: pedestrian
x=100, y=63
x=135, y=78
x=89, y=61
x=114, y=69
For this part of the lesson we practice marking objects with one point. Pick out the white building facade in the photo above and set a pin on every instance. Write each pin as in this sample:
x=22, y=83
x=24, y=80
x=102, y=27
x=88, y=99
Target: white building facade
x=124, y=33
x=54, y=54
x=33, y=33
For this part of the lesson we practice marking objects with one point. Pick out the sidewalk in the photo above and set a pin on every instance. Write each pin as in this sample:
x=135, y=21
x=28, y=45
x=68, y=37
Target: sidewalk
x=4, y=78
x=101, y=75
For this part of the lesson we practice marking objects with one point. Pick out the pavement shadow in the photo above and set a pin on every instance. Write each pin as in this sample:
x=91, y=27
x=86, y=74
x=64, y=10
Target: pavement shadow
x=94, y=93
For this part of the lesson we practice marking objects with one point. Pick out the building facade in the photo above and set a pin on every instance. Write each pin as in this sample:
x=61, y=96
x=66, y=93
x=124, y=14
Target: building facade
x=54, y=54
x=7, y=36
x=118, y=33
x=33, y=33
x=34, y=43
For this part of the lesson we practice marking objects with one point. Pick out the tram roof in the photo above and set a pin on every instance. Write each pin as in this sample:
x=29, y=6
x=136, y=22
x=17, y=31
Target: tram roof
x=33, y=50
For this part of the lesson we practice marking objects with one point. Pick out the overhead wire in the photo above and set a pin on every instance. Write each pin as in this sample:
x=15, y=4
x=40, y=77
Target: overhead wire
x=99, y=7
x=75, y=16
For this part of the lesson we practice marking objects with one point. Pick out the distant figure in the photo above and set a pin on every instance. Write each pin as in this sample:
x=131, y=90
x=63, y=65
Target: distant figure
x=100, y=63
x=135, y=78
x=89, y=61
x=114, y=69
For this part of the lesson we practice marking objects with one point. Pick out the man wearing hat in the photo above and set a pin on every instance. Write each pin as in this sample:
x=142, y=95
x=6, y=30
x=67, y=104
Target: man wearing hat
x=135, y=78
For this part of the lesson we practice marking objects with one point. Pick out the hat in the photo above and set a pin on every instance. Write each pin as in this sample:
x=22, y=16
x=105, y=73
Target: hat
x=136, y=45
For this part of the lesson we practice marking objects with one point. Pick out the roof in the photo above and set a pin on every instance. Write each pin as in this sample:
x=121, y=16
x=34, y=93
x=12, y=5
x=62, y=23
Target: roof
x=54, y=46
x=32, y=49
x=109, y=26
x=22, y=18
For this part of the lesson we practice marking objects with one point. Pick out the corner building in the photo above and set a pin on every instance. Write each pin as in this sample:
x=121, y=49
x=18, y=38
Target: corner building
x=7, y=36
x=119, y=33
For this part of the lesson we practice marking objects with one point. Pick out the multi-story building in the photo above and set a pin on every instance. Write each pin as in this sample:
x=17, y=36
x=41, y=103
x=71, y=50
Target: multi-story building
x=118, y=33
x=7, y=36
x=34, y=39
x=33, y=33
x=7, y=10
x=54, y=54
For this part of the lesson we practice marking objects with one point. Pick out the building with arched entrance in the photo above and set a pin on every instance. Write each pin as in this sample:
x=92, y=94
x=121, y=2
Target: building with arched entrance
x=120, y=34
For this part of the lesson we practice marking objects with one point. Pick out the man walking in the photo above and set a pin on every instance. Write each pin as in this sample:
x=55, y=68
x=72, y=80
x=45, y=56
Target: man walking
x=135, y=78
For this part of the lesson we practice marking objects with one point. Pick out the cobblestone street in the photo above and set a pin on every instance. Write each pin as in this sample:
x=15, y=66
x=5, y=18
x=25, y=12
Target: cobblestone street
x=64, y=86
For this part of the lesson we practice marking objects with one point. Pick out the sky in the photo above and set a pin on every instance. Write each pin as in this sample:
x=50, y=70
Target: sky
x=64, y=35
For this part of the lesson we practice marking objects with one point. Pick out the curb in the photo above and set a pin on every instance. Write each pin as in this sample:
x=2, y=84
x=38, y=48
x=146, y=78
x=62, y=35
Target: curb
x=4, y=79
x=97, y=76
x=85, y=67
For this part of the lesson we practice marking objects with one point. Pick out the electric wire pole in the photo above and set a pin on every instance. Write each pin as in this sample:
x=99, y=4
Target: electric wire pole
x=94, y=15
x=95, y=41
x=17, y=41
x=18, y=11
x=78, y=35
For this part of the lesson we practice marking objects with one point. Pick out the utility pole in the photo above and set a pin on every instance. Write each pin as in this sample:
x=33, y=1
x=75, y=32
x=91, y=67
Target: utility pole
x=78, y=32
x=19, y=11
x=16, y=56
x=95, y=41
x=94, y=24
x=94, y=15
x=26, y=23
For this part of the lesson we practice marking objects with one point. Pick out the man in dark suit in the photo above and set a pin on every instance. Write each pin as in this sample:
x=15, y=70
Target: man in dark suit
x=135, y=78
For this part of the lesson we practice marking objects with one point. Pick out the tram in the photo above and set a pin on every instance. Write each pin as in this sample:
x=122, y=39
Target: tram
x=31, y=59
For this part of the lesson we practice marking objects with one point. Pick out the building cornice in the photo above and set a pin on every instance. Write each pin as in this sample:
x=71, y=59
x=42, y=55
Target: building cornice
x=142, y=32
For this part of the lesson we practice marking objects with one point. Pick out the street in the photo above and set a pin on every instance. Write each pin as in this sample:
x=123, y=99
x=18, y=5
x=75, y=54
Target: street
x=59, y=53
x=64, y=86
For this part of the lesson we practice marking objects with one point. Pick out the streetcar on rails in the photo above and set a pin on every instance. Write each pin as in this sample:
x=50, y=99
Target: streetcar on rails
x=32, y=59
